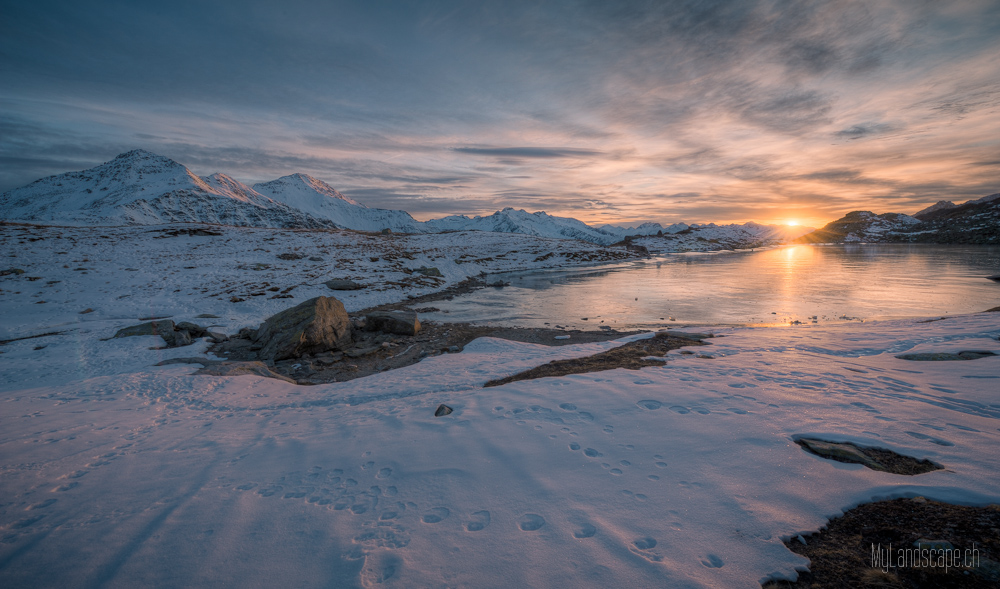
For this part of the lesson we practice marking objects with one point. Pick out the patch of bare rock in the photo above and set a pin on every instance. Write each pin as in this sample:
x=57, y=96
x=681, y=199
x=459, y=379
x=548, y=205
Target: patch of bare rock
x=879, y=459
x=863, y=548
x=633, y=356
x=317, y=341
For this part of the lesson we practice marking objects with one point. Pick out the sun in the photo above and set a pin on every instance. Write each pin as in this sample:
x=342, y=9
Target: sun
x=792, y=223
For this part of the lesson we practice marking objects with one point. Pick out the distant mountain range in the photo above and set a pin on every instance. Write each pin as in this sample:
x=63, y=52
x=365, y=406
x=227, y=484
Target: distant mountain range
x=973, y=222
x=142, y=188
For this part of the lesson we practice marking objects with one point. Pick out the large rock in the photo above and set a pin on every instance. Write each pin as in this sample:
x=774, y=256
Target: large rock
x=314, y=326
x=398, y=322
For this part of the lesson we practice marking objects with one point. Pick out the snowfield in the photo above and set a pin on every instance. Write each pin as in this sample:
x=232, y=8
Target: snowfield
x=118, y=473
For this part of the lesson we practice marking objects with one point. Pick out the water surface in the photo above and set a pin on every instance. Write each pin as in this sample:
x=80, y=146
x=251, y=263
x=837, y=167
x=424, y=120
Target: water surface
x=807, y=283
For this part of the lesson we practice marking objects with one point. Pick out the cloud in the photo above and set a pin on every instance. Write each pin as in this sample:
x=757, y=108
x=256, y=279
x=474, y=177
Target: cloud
x=636, y=109
x=529, y=152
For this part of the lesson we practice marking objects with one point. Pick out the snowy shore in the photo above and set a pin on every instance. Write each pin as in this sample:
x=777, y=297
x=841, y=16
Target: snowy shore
x=119, y=473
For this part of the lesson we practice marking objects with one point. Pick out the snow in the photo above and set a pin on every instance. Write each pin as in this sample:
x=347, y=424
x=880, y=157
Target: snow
x=142, y=188
x=119, y=473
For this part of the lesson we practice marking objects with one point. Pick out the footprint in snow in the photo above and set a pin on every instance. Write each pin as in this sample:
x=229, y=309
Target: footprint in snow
x=585, y=531
x=479, y=520
x=713, y=562
x=531, y=522
x=435, y=515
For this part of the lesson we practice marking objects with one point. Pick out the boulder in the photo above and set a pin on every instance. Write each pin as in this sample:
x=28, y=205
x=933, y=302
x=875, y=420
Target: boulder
x=192, y=328
x=313, y=326
x=397, y=322
x=177, y=339
x=428, y=271
x=442, y=410
x=343, y=284
x=162, y=327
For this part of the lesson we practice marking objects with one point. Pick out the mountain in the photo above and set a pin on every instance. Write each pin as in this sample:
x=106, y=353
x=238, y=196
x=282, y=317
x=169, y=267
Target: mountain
x=318, y=199
x=644, y=229
x=141, y=188
x=975, y=222
x=540, y=224
x=717, y=237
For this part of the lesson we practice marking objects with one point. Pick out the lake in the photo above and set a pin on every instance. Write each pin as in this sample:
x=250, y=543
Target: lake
x=806, y=283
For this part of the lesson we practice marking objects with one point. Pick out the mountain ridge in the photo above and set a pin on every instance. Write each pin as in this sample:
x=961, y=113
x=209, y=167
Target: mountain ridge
x=139, y=187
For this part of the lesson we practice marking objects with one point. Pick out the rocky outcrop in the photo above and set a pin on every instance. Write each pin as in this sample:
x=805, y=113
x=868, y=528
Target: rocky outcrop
x=314, y=326
x=175, y=335
x=161, y=327
x=397, y=322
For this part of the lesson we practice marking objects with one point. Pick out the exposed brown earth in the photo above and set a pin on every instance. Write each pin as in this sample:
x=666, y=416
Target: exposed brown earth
x=841, y=554
x=633, y=355
x=375, y=352
x=879, y=459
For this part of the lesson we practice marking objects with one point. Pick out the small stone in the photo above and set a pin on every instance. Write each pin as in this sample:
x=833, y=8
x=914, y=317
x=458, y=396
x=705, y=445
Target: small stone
x=236, y=300
x=315, y=259
x=428, y=271
x=9, y=271
x=216, y=337
x=290, y=256
x=442, y=410
x=206, y=316
x=454, y=349
x=87, y=310
x=343, y=284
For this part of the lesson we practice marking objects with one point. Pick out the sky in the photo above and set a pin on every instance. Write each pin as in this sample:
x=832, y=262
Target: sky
x=610, y=112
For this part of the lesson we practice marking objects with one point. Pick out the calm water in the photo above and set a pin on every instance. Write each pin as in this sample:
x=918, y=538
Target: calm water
x=795, y=283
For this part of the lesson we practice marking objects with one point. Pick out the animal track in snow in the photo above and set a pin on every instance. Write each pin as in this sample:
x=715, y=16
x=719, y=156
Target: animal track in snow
x=530, y=522
x=713, y=562
x=435, y=515
x=650, y=404
x=478, y=521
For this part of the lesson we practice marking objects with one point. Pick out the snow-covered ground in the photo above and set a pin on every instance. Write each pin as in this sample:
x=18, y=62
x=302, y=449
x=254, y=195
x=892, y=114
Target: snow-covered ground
x=118, y=473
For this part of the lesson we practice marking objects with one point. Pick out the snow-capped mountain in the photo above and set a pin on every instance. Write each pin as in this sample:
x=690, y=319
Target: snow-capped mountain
x=715, y=237
x=643, y=229
x=320, y=200
x=139, y=188
x=510, y=220
x=975, y=221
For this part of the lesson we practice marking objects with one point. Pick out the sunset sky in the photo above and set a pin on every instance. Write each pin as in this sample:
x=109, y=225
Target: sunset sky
x=607, y=111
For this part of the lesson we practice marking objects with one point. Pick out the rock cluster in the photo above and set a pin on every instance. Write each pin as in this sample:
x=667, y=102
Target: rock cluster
x=175, y=335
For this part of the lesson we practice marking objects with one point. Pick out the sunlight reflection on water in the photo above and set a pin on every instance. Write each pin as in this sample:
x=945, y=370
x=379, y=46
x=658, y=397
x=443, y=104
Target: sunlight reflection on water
x=796, y=283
